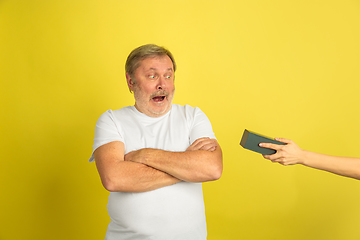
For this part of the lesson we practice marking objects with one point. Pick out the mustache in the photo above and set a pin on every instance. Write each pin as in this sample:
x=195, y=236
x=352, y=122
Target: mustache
x=159, y=93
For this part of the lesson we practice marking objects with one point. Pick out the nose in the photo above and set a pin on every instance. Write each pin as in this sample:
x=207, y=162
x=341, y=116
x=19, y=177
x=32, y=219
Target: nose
x=161, y=84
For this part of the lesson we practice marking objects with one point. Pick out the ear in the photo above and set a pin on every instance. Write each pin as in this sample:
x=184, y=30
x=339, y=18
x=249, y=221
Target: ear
x=130, y=82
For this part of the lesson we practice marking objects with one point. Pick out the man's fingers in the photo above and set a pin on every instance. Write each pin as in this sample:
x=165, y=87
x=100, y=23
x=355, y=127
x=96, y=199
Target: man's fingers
x=203, y=144
x=206, y=145
x=199, y=141
x=209, y=146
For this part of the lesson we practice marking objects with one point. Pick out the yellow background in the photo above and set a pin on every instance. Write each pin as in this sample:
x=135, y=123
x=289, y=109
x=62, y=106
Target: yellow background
x=281, y=68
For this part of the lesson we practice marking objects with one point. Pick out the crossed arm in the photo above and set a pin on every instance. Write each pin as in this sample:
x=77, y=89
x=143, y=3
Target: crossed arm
x=291, y=154
x=149, y=169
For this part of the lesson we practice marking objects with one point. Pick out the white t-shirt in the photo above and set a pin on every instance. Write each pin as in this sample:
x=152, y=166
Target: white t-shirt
x=174, y=212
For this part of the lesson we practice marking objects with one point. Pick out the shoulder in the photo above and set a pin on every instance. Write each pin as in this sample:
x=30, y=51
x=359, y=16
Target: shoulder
x=186, y=109
x=192, y=115
x=113, y=117
x=113, y=114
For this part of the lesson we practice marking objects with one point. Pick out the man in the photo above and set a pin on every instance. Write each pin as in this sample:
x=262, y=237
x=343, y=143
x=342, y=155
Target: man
x=153, y=156
x=291, y=154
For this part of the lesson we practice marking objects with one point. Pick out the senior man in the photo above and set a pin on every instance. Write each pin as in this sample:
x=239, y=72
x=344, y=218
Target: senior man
x=152, y=157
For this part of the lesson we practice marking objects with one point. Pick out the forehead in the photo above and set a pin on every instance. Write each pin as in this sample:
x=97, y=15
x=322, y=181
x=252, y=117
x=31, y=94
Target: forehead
x=161, y=63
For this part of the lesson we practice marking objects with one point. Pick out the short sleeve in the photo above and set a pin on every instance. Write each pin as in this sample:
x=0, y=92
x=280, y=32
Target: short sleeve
x=107, y=130
x=201, y=126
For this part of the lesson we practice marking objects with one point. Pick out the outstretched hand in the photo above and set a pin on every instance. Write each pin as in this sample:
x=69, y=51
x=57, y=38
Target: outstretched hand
x=288, y=154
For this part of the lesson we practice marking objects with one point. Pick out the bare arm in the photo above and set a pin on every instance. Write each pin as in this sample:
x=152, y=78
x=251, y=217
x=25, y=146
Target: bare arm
x=292, y=154
x=201, y=162
x=118, y=175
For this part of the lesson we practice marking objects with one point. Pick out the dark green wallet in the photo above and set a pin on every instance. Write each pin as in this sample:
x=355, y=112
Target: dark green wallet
x=251, y=140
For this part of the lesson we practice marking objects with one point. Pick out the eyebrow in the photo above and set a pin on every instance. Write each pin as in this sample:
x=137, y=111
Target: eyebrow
x=169, y=69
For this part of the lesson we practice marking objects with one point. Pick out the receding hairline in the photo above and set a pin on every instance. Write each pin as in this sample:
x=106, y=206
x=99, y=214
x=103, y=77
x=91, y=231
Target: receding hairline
x=143, y=52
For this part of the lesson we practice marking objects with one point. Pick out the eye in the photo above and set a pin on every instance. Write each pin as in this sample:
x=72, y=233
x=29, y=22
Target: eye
x=168, y=76
x=152, y=76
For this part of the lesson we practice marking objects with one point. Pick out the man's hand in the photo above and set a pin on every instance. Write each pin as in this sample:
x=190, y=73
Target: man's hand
x=138, y=156
x=204, y=143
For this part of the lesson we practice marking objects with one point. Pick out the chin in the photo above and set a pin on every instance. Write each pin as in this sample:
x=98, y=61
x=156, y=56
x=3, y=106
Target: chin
x=159, y=113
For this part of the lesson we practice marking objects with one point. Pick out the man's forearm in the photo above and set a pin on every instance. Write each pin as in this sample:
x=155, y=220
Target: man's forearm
x=118, y=175
x=136, y=177
x=190, y=166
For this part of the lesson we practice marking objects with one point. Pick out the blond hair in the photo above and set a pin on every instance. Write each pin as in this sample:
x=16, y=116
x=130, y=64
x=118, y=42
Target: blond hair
x=149, y=50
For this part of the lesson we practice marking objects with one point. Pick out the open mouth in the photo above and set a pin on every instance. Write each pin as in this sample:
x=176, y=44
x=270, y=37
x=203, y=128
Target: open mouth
x=158, y=98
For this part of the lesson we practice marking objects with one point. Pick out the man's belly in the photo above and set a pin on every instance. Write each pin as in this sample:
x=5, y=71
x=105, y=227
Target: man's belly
x=168, y=210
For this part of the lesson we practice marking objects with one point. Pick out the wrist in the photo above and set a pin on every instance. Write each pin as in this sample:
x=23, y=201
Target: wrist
x=304, y=157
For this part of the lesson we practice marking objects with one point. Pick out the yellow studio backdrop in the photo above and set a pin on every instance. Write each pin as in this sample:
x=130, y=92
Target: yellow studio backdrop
x=281, y=68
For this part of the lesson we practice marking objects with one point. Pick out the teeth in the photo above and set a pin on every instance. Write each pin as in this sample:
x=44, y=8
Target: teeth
x=158, y=98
